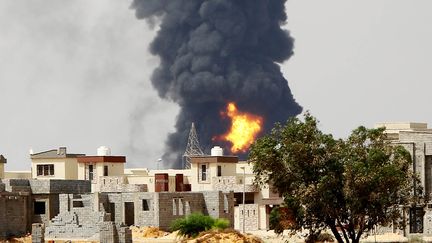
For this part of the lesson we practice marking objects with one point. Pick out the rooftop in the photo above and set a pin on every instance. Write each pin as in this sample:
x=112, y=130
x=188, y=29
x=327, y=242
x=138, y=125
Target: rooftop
x=395, y=127
x=102, y=159
x=54, y=154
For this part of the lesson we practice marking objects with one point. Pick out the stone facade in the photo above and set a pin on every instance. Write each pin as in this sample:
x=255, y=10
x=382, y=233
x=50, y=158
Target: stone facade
x=119, y=184
x=231, y=183
x=38, y=233
x=250, y=214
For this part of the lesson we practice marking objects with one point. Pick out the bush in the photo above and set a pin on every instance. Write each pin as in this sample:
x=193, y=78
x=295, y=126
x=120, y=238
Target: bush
x=221, y=224
x=195, y=223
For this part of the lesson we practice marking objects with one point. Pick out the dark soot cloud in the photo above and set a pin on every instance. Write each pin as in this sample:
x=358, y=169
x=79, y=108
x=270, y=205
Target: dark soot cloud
x=215, y=51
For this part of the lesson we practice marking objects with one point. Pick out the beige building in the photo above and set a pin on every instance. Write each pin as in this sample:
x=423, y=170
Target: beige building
x=225, y=173
x=417, y=139
x=55, y=164
x=2, y=164
x=103, y=165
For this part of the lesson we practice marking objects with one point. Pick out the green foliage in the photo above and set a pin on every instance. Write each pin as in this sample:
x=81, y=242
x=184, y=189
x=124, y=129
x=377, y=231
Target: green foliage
x=195, y=223
x=274, y=221
x=351, y=184
x=221, y=224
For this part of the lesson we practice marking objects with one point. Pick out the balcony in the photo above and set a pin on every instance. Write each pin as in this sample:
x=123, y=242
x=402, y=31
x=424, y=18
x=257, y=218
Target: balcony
x=232, y=183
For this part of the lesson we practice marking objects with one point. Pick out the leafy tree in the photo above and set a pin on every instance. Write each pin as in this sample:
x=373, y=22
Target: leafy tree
x=347, y=186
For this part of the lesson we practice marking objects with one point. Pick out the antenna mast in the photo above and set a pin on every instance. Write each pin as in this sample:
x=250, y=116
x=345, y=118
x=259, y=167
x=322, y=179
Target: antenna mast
x=193, y=148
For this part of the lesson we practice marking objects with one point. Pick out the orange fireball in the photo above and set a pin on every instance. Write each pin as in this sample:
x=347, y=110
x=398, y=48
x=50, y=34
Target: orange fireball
x=244, y=128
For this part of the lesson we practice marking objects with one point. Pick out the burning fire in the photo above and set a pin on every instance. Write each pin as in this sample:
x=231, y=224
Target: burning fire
x=244, y=128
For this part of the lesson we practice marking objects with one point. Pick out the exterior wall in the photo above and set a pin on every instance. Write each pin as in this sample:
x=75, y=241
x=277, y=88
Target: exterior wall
x=64, y=168
x=79, y=217
x=2, y=175
x=164, y=207
x=17, y=175
x=251, y=214
x=51, y=207
x=114, y=169
x=13, y=214
x=144, y=179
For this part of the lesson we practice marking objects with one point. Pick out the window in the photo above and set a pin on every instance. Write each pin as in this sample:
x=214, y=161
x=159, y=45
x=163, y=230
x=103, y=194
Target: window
x=77, y=204
x=39, y=207
x=90, y=169
x=145, y=205
x=219, y=170
x=105, y=170
x=203, y=172
x=178, y=206
x=45, y=170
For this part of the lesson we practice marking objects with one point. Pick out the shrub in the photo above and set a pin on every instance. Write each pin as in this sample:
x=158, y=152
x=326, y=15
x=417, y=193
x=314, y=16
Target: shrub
x=193, y=224
x=221, y=224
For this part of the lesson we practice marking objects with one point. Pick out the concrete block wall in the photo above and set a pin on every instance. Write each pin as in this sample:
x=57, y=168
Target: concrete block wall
x=119, y=184
x=251, y=214
x=79, y=217
x=220, y=205
x=13, y=214
x=17, y=185
x=38, y=233
x=59, y=186
x=231, y=183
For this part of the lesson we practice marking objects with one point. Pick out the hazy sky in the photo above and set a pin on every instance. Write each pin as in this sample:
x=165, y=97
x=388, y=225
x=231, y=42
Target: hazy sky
x=76, y=73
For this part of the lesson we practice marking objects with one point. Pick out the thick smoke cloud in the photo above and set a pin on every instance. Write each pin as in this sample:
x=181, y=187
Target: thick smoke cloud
x=215, y=51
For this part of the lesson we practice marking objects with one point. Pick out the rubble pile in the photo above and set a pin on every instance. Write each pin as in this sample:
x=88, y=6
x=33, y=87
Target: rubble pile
x=225, y=236
x=147, y=232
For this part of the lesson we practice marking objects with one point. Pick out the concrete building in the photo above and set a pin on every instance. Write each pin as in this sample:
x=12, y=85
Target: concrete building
x=93, y=167
x=417, y=139
x=55, y=164
x=95, y=196
x=24, y=201
x=2, y=166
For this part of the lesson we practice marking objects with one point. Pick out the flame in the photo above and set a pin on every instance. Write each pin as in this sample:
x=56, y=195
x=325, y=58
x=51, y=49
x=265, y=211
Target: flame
x=244, y=128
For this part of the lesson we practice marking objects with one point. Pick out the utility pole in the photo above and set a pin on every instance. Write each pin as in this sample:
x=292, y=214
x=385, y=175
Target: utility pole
x=244, y=197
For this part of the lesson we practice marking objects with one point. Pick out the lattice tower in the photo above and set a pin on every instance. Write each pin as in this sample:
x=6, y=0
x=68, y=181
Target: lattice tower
x=193, y=147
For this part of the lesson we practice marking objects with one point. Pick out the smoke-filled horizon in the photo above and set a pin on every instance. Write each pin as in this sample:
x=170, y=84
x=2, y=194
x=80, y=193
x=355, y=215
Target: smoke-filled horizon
x=218, y=51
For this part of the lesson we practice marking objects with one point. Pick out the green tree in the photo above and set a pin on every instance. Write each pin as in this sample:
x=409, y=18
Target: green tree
x=347, y=186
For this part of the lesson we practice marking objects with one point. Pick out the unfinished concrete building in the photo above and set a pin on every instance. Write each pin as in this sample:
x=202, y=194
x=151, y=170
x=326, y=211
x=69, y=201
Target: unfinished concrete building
x=23, y=202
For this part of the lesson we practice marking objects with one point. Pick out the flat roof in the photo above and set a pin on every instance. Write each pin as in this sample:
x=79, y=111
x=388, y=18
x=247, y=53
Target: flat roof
x=102, y=159
x=214, y=159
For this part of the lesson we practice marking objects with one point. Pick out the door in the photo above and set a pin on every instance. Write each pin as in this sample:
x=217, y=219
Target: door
x=129, y=212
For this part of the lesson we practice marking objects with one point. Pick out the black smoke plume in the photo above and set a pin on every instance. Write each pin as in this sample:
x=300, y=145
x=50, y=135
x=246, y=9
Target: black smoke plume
x=215, y=51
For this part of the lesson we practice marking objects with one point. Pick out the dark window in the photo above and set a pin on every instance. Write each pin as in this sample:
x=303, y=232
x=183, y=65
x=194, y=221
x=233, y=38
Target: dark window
x=45, y=170
x=145, y=205
x=39, y=207
x=416, y=220
x=219, y=170
x=77, y=204
x=106, y=170
x=39, y=170
x=203, y=172
x=90, y=168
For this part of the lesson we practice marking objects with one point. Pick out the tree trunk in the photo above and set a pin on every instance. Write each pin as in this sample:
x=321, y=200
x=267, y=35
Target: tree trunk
x=336, y=234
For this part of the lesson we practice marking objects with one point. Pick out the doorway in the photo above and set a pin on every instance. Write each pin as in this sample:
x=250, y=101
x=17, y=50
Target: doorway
x=129, y=212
